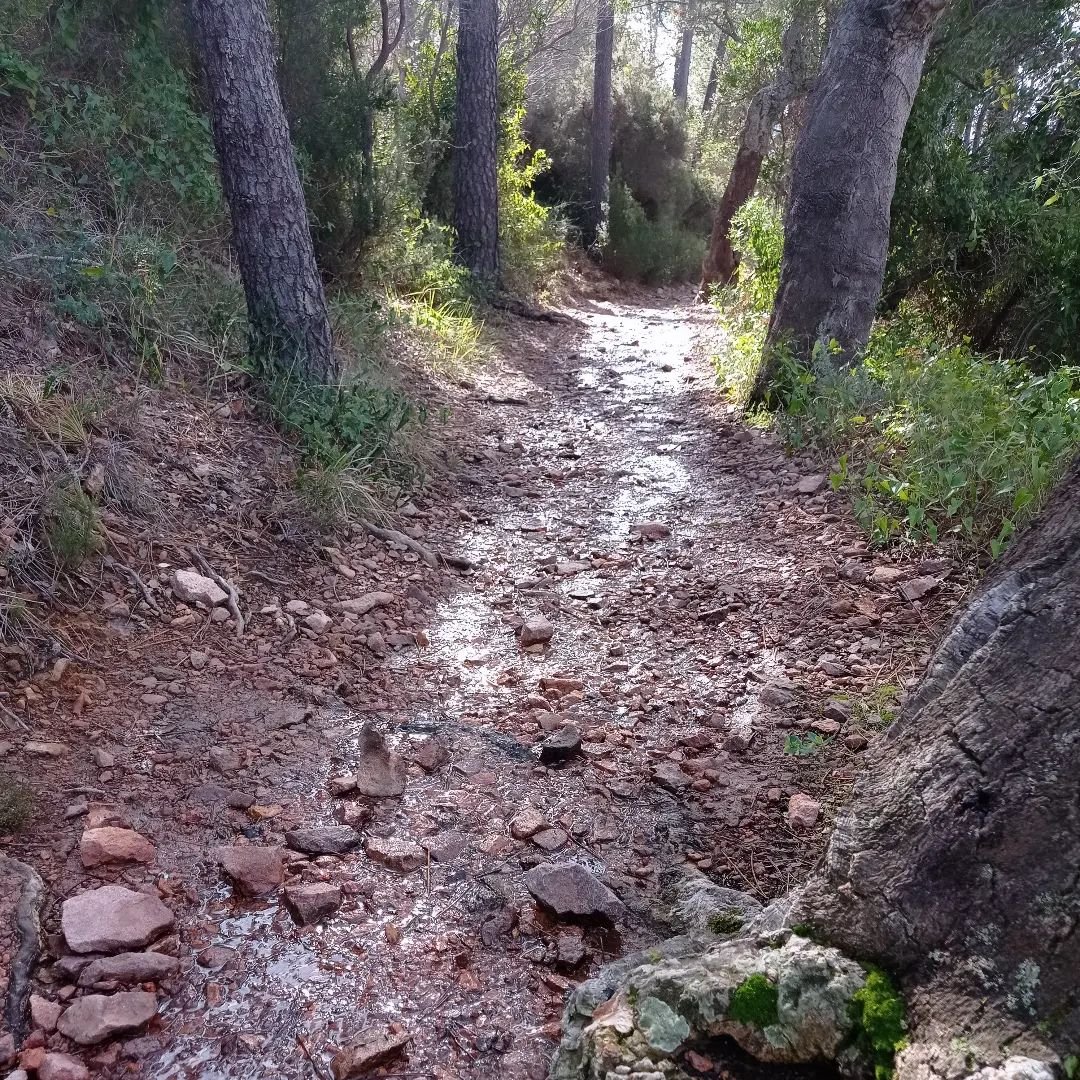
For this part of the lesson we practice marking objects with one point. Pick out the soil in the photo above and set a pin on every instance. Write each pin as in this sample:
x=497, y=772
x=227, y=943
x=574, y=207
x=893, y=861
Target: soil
x=712, y=602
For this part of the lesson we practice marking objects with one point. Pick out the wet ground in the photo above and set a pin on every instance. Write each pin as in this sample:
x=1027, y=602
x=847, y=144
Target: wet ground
x=709, y=598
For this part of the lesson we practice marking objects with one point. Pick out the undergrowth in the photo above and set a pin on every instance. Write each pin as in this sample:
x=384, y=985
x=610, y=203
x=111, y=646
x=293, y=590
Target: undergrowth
x=16, y=804
x=930, y=438
x=880, y=1018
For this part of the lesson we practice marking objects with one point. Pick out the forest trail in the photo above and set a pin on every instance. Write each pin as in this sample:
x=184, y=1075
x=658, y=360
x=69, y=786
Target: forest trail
x=708, y=598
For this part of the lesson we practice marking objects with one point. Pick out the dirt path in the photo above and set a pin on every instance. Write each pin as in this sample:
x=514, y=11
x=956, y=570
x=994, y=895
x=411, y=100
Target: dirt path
x=747, y=610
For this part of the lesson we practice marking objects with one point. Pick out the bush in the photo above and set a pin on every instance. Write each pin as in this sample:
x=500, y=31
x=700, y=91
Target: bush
x=654, y=252
x=16, y=803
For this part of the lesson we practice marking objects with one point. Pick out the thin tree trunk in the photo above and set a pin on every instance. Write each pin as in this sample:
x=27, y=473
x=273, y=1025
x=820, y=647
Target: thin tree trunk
x=476, y=139
x=285, y=300
x=958, y=863
x=714, y=73
x=681, y=86
x=600, y=133
x=843, y=178
x=766, y=108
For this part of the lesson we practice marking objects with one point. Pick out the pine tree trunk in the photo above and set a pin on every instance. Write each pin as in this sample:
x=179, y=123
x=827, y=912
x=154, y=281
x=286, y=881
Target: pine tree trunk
x=844, y=175
x=600, y=132
x=681, y=86
x=767, y=106
x=714, y=73
x=958, y=862
x=285, y=300
x=476, y=140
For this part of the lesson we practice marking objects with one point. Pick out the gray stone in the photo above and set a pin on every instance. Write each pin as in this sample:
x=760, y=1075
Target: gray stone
x=668, y=775
x=568, y=890
x=401, y=855
x=313, y=902
x=97, y=1017
x=702, y=905
x=194, y=588
x=112, y=919
x=380, y=772
x=129, y=969
x=535, y=630
x=323, y=839
x=563, y=745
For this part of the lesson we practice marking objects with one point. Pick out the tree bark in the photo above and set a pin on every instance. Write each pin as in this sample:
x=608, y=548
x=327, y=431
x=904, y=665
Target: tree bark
x=767, y=106
x=681, y=85
x=958, y=862
x=600, y=130
x=714, y=73
x=285, y=299
x=843, y=178
x=476, y=140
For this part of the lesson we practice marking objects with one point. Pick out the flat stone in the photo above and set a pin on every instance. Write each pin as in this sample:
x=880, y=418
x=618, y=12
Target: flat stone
x=224, y=759
x=44, y=1013
x=828, y=728
x=370, y=1050
x=99, y=847
x=561, y=746
x=446, y=846
x=363, y=604
x=803, y=812
x=917, y=588
x=526, y=822
x=323, y=839
x=550, y=840
x=431, y=754
x=193, y=588
x=380, y=772
x=46, y=749
x=401, y=855
x=652, y=530
x=112, y=919
x=254, y=870
x=129, y=969
x=668, y=775
x=218, y=794
x=97, y=1017
x=56, y=1066
x=535, y=630
x=811, y=485
x=568, y=890
x=312, y=903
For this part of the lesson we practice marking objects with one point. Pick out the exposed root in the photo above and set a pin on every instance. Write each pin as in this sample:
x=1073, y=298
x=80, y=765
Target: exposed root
x=233, y=602
x=28, y=932
x=434, y=559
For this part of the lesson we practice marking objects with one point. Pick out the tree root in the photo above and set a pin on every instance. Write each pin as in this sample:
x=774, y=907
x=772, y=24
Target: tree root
x=28, y=932
x=435, y=559
x=233, y=601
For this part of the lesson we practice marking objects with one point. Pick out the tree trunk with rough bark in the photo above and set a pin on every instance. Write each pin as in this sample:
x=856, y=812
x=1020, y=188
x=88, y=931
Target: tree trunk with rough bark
x=767, y=106
x=843, y=178
x=714, y=73
x=600, y=129
x=274, y=251
x=476, y=140
x=681, y=85
x=957, y=865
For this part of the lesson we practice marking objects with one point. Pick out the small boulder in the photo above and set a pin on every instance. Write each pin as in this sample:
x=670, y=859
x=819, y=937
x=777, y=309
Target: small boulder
x=526, y=823
x=803, y=812
x=380, y=772
x=62, y=1067
x=568, y=890
x=129, y=969
x=535, y=630
x=99, y=847
x=370, y=1050
x=401, y=855
x=44, y=1013
x=668, y=775
x=651, y=530
x=112, y=919
x=323, y=839
x=431, y=754
x=311, y=903
x=811, y=485
x=97, y=1017
x=561, y=746
x=194, y=588
x=253, y=870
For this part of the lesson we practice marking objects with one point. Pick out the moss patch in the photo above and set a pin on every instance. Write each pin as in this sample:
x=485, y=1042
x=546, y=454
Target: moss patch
x=881, y=1022
x=726, y=922
x=754, y=1002
x=15, y=804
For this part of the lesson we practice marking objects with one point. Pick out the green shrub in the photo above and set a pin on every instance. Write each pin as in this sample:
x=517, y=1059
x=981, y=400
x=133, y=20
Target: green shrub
x=754, y=1001
x=72, y=524
x=653, y=252
x=757, y=233
x=880, y=1021
x=16, y=803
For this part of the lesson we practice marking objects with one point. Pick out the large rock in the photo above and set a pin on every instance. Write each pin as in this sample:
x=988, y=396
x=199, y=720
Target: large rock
x=568, y=890
x=99, y=847
x=253, y=870
x=97, y=1017
x=194, y=588
x=311, y=903
x=788, y=1005
x=380, y=773
x=323, y=839
x=702, y=905
x=112, y=919
x=129, y=969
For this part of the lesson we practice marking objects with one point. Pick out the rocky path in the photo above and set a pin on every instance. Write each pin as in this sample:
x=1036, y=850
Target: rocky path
x=659, y=680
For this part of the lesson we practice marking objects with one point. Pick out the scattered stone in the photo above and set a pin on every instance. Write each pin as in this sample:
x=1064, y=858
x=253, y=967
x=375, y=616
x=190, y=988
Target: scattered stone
x=569, y=947
x=571, y=567
x=101, y=846
x=363, y=604
x=527, y=822
x=198, y=659
x=431, y=754
x=254, y=870
x=856, y=742
x=224, y=759
x=370, y=1050
x=837, y=710
x=103, y=759
x=46, y=749
x=811, y=485
x=380, y=772
x=828, y=728
x=311, y=903
x=803, y=811
x=446, y=846
x=550, y=840
x=318, y=623
x=218, y=794
x=214, y=957
x=323, y=839
x=535, y=630
x=97, y=1017
x=341, y=785
x=917, y=588
x=651, y=530
x=193, y=588
x=56, y=1066
x=401, y=855
x=129, y=969
x=568, y=890
x=44, y=1013
x=561, y=746
x=668, y=775
x=112, y=919
x=886, y=575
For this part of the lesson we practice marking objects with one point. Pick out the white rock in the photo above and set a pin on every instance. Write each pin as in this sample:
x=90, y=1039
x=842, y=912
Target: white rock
x=194, y=588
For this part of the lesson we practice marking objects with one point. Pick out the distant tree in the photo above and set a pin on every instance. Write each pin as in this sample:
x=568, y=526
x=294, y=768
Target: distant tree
x=476, y=140
x=681, y=85
x=600, y=129
x=285, y=300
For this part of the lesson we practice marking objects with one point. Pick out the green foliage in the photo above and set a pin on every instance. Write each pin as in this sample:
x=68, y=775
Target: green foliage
x=805, y=745
x=754, y=1001
x=649, y=251
x=16, y=804
x=72, y=524
x=880, y=1018
x=757, y=233
x=726, y=922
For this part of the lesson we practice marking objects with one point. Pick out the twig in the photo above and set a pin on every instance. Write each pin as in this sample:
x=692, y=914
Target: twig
x=137, y=581
x=433, y=559
x=14, y=716
x=233, y=601
x=307, y=1053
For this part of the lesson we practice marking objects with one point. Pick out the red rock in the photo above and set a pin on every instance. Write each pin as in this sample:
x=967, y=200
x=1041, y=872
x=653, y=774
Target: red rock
x=62, y=1067
x=97, y=1017
x=44, y=1013
x=112, y=919
x=311, y=903
x=253, y=870
x=98, y=847
x=803, y=812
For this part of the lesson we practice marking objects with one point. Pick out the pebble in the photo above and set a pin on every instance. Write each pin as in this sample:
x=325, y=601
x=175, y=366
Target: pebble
x=535, y=630
x=803, y=812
